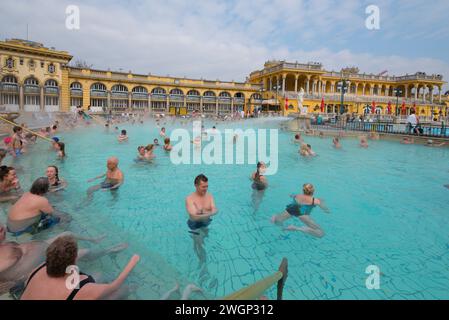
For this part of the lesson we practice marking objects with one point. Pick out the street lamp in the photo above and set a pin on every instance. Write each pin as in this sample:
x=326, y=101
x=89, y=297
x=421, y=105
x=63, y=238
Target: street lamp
x=343, y=86
x=398, y=93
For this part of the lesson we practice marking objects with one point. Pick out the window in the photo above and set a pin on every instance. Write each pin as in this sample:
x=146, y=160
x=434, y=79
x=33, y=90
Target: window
x=51, y=68
x=31, y=82
x=51, y=101
x=42, y=65
x=119, y=88
x=193, y=93
x=158, y=91
x=21, y=61
x=32, y=100
x=225, y=95
x=98, y=87
x=10, y=99
x=177, y=92
x=10, y=63
x=209, y=94
x=98, y=103
x=140, y=90
x=31, y=64
x=9, y=79
x=51, y=83
x=76, y=86
x=74, y=102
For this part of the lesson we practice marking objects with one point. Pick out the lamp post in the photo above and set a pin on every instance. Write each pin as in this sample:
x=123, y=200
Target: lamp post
x=343, y=86
x=398, y=93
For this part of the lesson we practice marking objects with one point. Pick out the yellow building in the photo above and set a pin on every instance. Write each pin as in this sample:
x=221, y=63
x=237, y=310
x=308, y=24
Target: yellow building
x=362, y=91
x=35, y=78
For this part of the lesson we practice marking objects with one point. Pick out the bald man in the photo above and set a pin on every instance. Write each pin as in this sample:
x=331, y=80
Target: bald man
x=114, y=177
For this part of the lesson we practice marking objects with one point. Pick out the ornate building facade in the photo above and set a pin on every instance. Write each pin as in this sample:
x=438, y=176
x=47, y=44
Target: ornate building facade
x=36, y=78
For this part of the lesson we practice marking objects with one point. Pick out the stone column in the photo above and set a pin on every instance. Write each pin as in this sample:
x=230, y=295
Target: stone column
x=431, y=95
x=332, y=87
x=59, y=98
x=42, y=96
x=308, y=86
x=406, y=92
x=21, y=98
x=216, y=107
x=150, y=109
x=296, y=83
x=201, y=102
x=109, y=106
x=167, y=106
x=416, y=92
x=439, y=93
x=424, y=94
x=284, y=77
x=232, y=106
x=130, y=100
x=363, y=89
x=315, y=82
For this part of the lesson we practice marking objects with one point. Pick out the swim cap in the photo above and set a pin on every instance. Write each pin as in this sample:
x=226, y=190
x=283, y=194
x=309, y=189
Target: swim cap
x=55, y=139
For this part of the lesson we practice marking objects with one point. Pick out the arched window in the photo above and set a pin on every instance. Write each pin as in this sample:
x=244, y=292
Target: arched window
x=158, y=91
x=51, y=83
x=193, y=93
x=76, y=86
x=209, y=94
x=225, y=95
x=9, y=79
x=31, y=82
x=256, y=96
x=177, y=92
x=98, y=87
x=119, y=88
x=239, y=95
x=140, y=90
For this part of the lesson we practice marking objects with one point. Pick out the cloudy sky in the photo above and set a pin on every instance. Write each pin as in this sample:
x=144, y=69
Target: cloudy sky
x=227, y=39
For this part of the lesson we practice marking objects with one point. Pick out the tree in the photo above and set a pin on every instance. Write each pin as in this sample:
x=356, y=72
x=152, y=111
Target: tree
x=82, y=64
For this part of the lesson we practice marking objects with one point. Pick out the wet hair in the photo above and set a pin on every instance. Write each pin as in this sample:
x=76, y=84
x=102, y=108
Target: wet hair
x=4, y=171
x=124, y=132
x=309, y=146
x=61, y=254
x=16, y=129
x=61, y=147
x=57, y=172
x=55, y=127
x=259, y=165
x=167, y=140
x=336, y=139
x=40, y=186
x=297, y=137
x=149, y=147
x=308, y=189
x=200, y=178
x=140, y=147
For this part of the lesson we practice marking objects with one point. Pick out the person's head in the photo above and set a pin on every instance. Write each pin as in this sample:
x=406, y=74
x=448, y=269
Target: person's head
x=52, y=172
x=123, y=132
x=112, y=163
x=163, y=129
x=40, y=186
x=336, y=140
x=297, y=136
x=308, y=189
x=430, y=141
x=116, y=128
x=55, y=139
x=201, y=184
x=309, y=146
x=412, y=111
x=48, y=129
x=261, y=167
x=7, y=174
x=156, y=141
x=149, y=147
x=61, y=254
x=167, y=141
x=54, y=127
x=17, y=129
x=141, y=150
x=61, y=147
x=3, y=154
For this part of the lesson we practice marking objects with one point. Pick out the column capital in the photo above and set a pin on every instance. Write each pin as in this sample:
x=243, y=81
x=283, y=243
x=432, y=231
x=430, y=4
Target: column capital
x=296, y=76
x=284, y=76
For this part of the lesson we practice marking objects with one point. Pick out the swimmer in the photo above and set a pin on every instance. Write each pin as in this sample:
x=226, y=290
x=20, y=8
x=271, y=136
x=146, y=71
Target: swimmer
x=60, y=146
x=10, y=189
x=49, y=281
x=311, y=152
x=56, y=184
x=19, y=260
x=301, y=208
x=54, y=144
x=141, y=151
x=200, y=207
x=156, y=142
x=149, y=152
x=167, y=146
x=431, y=143
x=123, y=136
x=33, y=212
x=408, y=141
x=17, y=144
x=162, y=133
x=259, y=181
x=297, y=138
x=114, y=178
x=363, y=142
x=321, y=134
x=336, y=143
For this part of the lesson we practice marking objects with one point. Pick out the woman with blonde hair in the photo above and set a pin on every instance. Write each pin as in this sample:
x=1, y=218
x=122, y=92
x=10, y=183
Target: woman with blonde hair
x=302, y=207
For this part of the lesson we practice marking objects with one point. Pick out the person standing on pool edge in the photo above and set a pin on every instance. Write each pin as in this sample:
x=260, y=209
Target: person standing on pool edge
x=200, y=206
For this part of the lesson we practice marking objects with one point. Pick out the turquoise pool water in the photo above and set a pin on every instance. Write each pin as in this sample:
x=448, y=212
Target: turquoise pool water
x=388, y=208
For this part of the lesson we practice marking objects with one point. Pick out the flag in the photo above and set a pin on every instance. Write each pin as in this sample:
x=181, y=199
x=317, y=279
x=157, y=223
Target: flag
x=373, y=107
x=286, y=103
x=322, y=105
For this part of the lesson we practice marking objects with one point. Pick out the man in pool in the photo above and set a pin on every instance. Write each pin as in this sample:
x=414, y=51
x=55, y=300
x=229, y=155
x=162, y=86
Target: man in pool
x=114, y=178
x=200, y=206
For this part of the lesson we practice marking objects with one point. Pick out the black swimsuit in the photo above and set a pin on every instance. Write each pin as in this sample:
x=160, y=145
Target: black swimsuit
x=72, y=295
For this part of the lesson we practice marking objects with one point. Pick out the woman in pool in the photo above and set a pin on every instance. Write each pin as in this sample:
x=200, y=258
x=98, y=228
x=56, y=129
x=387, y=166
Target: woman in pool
x=49, y=281
x=259, y=181
x=301, y=208
x=141, y=155
x=9, y=184
x=336, y=143
x=363, y=142
x=60, y=147
x=32, y=212
x=167, y=146
x=19, y=260
x=162, y=133
x=149, y=152
x=56, y=184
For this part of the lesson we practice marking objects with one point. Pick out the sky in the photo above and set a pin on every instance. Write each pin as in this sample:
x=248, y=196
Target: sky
x=228, y=39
